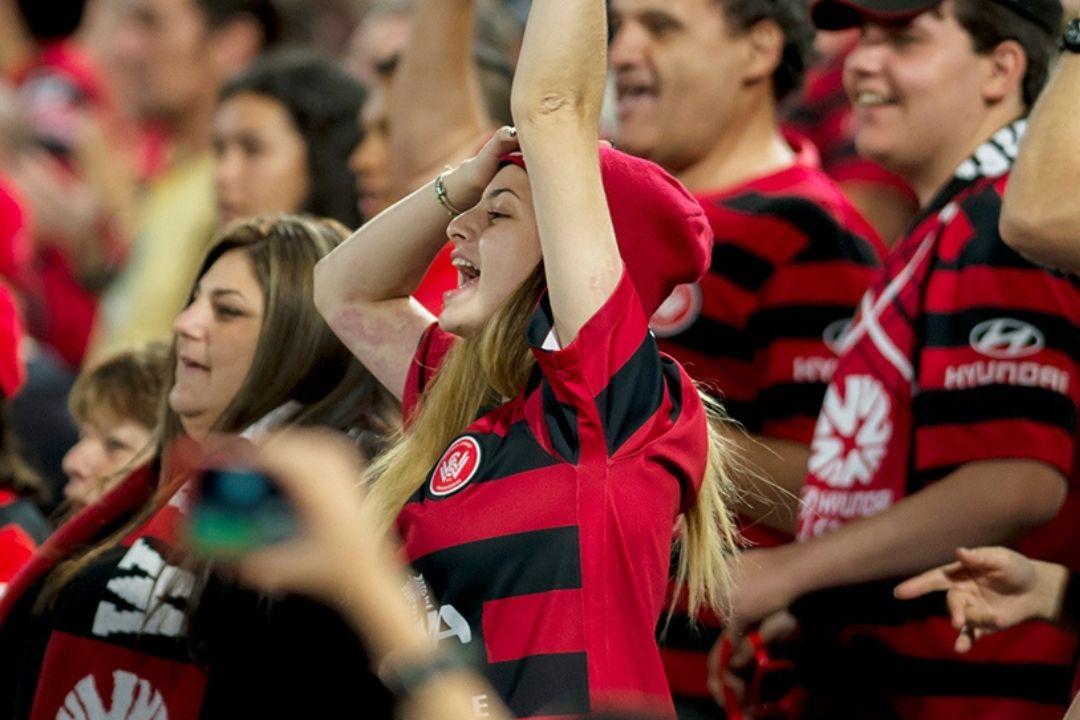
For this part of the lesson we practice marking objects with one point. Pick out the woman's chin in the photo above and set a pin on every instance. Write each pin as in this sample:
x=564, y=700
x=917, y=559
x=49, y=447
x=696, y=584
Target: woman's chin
x=457, y=320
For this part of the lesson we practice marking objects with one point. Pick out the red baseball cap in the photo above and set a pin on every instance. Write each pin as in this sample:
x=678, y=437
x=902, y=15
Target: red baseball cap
x=842, y=14
x=664, y=238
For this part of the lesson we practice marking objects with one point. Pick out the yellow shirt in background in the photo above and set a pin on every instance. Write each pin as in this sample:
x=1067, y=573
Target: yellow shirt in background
x=176, y=222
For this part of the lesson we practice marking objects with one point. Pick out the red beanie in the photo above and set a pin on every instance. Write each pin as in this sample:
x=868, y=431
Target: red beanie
x=663, y=235
x=12, y=370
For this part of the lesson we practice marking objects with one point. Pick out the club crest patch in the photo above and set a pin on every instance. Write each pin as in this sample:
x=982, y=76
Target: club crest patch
x=456, y=467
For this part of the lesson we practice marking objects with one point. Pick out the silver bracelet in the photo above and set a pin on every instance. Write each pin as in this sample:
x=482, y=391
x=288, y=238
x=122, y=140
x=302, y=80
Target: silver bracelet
x=440, y=194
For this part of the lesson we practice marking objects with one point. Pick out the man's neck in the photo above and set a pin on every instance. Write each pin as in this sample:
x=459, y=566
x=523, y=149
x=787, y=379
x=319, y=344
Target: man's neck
x=192, y=132
x=928, y=181
x=752, y=147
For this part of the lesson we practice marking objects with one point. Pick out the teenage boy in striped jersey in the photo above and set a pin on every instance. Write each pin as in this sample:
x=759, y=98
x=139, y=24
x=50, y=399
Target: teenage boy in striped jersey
x=951, y=418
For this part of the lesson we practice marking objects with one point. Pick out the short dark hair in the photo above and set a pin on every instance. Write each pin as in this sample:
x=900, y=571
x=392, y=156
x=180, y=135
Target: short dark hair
x=989, y=24
x=323, y=102
x=793, y=19
x=263, y=12
x=53, y=20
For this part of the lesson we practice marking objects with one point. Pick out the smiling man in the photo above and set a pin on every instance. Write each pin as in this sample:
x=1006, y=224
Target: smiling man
x=951, y=418
x=698, y=85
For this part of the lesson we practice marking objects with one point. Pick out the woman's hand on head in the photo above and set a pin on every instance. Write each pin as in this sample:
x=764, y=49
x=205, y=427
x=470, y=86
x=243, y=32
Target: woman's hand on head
x=465, y=184
x=337, y=544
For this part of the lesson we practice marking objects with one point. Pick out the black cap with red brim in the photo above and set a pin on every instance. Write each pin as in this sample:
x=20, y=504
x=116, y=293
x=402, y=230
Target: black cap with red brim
x=843, y=14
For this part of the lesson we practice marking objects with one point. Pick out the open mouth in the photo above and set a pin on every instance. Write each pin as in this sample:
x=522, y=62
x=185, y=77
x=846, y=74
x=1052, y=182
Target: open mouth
x=468, y=274
x=631, y=94
x=869, y=99
x=190, y=364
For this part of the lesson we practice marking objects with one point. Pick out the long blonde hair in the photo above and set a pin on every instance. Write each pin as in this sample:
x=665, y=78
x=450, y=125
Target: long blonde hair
x=494, y=366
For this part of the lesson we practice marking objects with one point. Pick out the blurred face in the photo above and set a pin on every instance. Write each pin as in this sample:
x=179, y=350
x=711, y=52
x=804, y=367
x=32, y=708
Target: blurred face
x=677, y=72
x=261, y=164
x=496, y=247
x=216, y=338
x=162, y=44
x=370, y=161
x=376, y=47
x=916, y=91
x=106, y=446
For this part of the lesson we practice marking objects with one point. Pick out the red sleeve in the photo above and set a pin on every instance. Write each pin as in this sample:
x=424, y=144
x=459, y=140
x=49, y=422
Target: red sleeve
x=610, y=377
x=434, y=344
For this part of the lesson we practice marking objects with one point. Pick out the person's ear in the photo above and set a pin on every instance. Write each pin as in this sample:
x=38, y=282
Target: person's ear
x=764, y=51
x=1006, y=66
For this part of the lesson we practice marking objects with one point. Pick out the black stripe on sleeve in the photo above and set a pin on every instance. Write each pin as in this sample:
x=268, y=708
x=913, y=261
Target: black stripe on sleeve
x=740, y=266
x=562, y=425
x=556, y=684
x=632, y=396
x=995, y=402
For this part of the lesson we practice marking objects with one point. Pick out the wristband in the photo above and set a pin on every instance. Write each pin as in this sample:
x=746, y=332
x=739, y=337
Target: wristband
x=440, y=194
x=407, y=678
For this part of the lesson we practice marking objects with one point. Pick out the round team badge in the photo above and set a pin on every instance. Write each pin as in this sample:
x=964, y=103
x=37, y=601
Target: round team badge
x=456, y=467
x=678, y=312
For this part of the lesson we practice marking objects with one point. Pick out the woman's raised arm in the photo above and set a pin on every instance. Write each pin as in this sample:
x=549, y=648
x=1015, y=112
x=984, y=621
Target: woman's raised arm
x=556, y=101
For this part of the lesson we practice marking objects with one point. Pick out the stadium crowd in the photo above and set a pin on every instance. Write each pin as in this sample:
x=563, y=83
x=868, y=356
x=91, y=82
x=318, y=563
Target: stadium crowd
x=622, y=359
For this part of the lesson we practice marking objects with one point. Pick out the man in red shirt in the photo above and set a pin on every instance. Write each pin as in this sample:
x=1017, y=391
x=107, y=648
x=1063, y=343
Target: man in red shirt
x=951, y=419
x=698, y=84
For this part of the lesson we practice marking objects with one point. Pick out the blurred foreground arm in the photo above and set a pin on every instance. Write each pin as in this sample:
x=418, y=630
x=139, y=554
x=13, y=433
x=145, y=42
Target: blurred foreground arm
x=1040, y=218
x=339, y=559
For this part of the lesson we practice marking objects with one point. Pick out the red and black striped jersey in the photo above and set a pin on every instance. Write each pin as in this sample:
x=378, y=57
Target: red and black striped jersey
x=791, y=258
x=962, y=352
x=543, y=535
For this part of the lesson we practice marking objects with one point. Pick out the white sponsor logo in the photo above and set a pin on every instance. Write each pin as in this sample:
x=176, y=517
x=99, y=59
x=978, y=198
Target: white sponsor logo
x=852, y=433
x=440, y=621
x=447, y=622
x=1007, y=339
x=822, y=369
x=151, y=587
x=1007, y=372
x=132, y=699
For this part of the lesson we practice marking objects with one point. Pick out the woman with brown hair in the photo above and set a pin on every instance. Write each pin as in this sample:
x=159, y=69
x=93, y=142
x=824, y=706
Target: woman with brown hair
x=112, y=607
x=550, y=448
